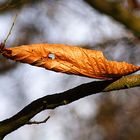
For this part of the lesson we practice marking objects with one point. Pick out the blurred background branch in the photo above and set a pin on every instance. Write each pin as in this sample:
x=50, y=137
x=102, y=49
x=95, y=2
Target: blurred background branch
x=12, y=5
x=118, y=12
x=121, y=11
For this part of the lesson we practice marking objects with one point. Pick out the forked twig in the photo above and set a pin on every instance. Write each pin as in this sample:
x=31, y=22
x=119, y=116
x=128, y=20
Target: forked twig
x=38, y=122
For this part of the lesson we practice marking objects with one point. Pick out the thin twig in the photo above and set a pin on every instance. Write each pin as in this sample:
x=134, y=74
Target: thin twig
x=2, y=45
x=10, y=31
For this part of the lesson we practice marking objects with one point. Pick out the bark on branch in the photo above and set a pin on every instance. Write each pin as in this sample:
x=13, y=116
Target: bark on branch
x=52, y=101
x=119, y=13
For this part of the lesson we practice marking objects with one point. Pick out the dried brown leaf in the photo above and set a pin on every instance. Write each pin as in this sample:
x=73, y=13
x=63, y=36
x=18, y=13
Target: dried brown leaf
x=70, y=60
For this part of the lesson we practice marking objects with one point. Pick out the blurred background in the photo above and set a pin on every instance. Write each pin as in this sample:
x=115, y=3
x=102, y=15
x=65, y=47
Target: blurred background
x=105, y=116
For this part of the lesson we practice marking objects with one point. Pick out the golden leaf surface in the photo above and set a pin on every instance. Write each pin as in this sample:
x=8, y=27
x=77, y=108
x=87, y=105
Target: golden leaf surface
x=70, y=60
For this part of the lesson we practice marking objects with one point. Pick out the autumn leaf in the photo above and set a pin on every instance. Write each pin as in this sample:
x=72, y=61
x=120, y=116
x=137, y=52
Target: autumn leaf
x=70, y=60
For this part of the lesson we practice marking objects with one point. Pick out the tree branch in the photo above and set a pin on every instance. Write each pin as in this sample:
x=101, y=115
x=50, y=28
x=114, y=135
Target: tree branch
x=119, y=13
x=52, y=101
